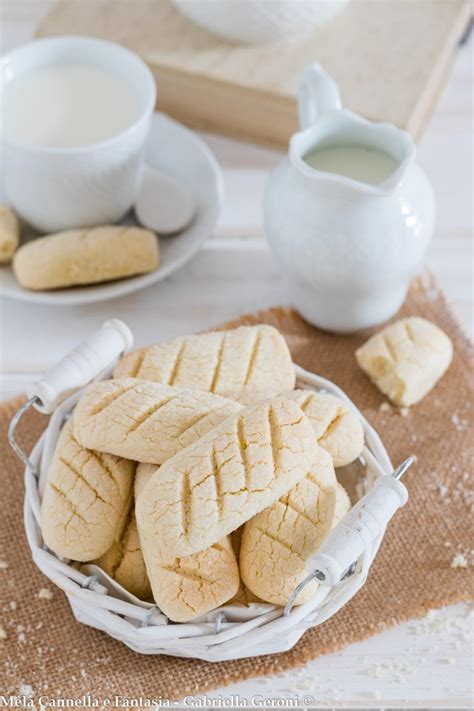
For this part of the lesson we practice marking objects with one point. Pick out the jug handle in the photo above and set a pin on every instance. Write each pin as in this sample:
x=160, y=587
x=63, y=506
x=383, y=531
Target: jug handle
x=317, y=94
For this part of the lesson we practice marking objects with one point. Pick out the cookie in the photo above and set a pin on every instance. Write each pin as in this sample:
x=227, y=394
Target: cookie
x=9, y=234
x=213, y=486
x=86, y=499
x=343, y=504
x=124, y=560
x=245, y=363
x=243, y=595
x=337, y=427
x=86, y=256
x=406, y=359
x=186, y=587
x=145, y=421
x=142, y=477
x=277, y=542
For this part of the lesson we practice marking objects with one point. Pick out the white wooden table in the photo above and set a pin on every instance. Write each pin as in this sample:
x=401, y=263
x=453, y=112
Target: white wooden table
x=423, y=664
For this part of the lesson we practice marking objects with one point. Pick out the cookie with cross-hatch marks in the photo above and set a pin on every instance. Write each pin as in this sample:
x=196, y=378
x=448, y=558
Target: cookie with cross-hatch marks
x=187, y=587
x=124, y=560
x=213, y=486
x=337, y=427
x=145, y=421
x=86, y=499
x=245, y=363
x=406, y=359
x=243, y=595
x=278, y=541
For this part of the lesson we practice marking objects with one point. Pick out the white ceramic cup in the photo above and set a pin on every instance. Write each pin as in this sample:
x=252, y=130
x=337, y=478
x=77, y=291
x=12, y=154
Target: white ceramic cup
x=54, y=189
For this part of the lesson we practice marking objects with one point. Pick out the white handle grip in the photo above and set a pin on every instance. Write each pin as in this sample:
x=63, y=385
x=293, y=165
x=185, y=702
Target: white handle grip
x=364, y=523
x=81, y=365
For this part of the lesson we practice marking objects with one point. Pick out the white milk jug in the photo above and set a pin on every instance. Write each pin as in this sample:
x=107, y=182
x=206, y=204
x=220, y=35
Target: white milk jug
x=348, y=214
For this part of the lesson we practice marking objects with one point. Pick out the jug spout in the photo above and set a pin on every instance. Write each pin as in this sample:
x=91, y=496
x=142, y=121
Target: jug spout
x=317, y=94
x=325, y=123
x=343, y=128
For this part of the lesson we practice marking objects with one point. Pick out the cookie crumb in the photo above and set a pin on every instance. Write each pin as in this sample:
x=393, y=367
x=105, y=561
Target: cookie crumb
x=459, y=424
x=13, y=605
x=26, y=690
x=443, y=490
x=459, y=561
x=3, y=634
x=447, y=660
x=404, y=411
x=385, y=407
x=45, y=594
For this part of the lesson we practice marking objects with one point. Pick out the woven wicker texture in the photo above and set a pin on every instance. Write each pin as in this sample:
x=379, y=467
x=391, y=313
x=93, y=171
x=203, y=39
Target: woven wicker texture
x=411, y=574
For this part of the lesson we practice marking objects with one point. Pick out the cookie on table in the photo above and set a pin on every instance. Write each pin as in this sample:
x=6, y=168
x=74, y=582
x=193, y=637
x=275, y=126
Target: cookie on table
x=86, y=256
x=406, y=359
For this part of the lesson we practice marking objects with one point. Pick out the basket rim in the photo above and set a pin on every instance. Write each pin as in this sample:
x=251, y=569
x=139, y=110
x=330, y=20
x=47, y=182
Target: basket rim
x=143, y=627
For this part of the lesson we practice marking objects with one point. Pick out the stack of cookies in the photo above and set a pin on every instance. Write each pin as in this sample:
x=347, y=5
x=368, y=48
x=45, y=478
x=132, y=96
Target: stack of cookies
x=198, y=475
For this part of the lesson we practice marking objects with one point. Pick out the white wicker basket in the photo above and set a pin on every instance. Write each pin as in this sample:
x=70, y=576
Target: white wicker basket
x=230, y=632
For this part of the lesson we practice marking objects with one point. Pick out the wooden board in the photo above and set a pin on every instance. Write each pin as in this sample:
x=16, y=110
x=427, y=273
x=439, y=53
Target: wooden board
x=389, y=57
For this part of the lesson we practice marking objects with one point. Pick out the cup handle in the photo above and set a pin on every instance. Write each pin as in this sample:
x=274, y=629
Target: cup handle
x=317, y=94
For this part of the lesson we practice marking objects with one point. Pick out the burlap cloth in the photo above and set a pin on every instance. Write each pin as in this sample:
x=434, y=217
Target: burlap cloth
x=47, y=649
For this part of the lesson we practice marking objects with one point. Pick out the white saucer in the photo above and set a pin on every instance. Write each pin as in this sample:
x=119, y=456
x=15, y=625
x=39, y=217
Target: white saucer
x=178, y=152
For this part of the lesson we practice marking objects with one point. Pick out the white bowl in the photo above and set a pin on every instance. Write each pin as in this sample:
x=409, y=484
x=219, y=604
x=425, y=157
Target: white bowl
x=260, y=21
